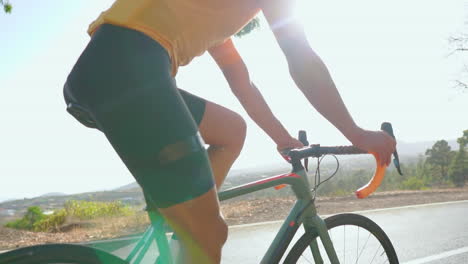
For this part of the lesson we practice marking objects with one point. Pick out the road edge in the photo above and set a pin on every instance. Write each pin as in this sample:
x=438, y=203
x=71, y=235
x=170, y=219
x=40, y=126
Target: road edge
x=355, y=212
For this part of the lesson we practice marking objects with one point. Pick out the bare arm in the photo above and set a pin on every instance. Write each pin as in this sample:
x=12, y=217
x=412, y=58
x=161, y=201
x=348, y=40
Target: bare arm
x=312, y=77
x=237, y=75
x=307, y=69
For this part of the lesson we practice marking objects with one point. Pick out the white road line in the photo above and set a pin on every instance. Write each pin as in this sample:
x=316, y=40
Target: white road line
x=411, y=206
x=356, y=212
x=442, y=255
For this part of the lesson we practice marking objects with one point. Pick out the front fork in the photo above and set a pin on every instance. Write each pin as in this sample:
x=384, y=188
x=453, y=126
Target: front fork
x=313, y=222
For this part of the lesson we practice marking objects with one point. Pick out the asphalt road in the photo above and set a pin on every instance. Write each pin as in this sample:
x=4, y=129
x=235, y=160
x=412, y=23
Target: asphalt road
x=435, y=233
x=424, y=234
x=432, y=234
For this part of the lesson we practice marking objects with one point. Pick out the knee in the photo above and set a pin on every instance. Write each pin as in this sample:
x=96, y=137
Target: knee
x=222, y=231
x=203, y=243
x=214, y=239
x=219, y=234
x=240, y=128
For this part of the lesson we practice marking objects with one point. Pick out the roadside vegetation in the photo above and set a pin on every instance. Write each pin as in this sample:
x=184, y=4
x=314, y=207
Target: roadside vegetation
x=440, y=167
x=74, y=214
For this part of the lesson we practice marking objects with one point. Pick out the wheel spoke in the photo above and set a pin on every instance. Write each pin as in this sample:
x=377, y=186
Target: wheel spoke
x=344, y=244
x=363, y=248
x=357, y=245
x=308, y=261
x=377, y=251
x=376, y=248
x=385, y=259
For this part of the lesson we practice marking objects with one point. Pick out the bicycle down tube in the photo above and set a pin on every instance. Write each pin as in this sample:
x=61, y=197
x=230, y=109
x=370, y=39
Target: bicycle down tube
x=303, y=211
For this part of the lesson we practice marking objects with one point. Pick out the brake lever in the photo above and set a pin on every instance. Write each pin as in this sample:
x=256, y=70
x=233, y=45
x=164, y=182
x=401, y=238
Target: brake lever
x=303, y=139
x=379, y=174
x=387, y=127
x=285, y=154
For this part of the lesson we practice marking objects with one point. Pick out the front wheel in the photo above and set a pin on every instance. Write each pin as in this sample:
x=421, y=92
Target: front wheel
x=59, y=253
x=356, y=239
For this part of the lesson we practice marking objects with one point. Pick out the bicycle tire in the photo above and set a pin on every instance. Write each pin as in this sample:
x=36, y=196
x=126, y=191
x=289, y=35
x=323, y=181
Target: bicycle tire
x=59, y=253
x=345, y=220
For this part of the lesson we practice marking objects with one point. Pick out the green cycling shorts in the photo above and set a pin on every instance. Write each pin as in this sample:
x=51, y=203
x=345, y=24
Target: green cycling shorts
x=122, y=82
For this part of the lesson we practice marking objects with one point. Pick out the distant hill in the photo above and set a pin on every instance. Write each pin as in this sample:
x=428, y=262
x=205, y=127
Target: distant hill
x=6, y=199
x=131, y=193
x=130, y=186
x=52, y=194
x=416, y=148
x=408, y=152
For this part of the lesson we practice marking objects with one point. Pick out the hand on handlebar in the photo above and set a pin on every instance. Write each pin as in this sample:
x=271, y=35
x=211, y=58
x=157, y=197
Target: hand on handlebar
x=286, y=145
x=290, y=144
x=378, y=143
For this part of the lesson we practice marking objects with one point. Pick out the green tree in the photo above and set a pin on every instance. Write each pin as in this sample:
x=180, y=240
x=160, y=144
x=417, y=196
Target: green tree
x=439, y=157
x=463, y=140
x=33, y=215
x=458, y=171
x=6, y=6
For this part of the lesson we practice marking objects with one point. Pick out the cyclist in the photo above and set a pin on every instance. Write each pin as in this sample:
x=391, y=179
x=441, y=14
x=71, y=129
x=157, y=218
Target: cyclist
x=125, y=81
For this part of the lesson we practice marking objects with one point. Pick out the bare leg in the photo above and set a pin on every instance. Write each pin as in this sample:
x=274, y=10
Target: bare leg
x=200, y=228
x=198, y=223
x=224, y=130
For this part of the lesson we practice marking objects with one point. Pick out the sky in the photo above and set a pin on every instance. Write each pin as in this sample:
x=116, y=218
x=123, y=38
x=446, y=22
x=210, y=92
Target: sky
x=389, y=59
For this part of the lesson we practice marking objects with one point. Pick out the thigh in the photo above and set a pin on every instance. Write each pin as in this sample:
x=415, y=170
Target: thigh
x=123, y=79
x=218, y=125
x=222, y=127
x=156, y=137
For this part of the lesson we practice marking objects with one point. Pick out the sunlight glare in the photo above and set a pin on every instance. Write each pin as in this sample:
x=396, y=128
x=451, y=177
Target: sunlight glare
x=302, y=10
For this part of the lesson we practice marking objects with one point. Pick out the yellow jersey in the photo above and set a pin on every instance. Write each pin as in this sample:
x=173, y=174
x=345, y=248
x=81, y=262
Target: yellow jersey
x=185, y=28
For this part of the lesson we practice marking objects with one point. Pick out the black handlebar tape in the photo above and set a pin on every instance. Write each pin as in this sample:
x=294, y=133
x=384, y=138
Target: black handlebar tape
x=342, y=150
x=318, y=151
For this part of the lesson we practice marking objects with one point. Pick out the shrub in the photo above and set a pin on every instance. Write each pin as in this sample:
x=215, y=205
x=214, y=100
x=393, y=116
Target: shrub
x=413, y=183
x=85, y=210
x=35, y=220
x=52, y=222
x=33, y=215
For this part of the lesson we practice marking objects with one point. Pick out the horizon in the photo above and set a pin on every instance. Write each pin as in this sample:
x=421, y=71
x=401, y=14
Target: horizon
x=403, y=155
x=389, y=61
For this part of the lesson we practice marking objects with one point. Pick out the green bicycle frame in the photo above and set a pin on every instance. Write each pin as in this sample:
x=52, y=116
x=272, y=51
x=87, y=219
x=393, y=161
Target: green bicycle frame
x=303, y=212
